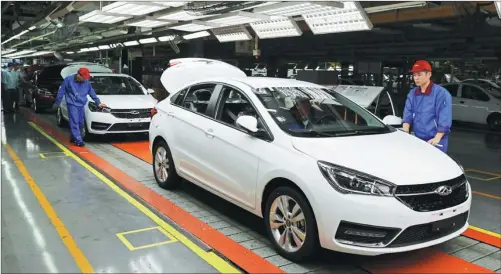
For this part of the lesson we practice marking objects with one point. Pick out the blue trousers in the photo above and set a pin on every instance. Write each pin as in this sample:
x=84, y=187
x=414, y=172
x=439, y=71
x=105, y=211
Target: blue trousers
x=76, y=115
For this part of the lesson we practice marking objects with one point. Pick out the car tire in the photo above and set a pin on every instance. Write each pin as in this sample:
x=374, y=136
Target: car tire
x=59, y=118
x=163, y=167
x=306, y=227
x=494, y=121
x=86, y=135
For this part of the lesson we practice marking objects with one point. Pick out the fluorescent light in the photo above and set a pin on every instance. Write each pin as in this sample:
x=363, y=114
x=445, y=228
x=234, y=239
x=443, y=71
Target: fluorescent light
x=181, y=15
x=104, y=47
x=196, y=25
x=19, y=53
x=166, y=38
x=351, y=18
x=15, y=36
x=7, y=51
x=232, y=34
x=397, y=6
x=238, y=18
x=150, y=23
x=148, y=40
x=131, y=43
x=32, y=27
x=98, y=16
x=288, y=9
x=116, y=45
x=171, y=3
x=196, y=35
x=498, y=7
x=93, y=49
x=285, y=27
x=134, y=9
x=70, y=52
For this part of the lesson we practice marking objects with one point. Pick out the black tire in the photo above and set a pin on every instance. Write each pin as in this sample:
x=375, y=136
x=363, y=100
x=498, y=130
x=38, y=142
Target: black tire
x=311, y=243
x=494, y=121
x=59, y=118
x=86, y=136
x=173, y=180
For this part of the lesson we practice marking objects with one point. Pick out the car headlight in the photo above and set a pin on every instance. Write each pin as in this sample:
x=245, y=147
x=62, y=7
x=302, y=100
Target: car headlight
x=95, y=108
x=349, y=181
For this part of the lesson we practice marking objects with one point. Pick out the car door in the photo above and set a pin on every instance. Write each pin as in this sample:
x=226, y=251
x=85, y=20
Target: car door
x=476, y=102
x=190, y=147
x=236, y=166
x=458, y=109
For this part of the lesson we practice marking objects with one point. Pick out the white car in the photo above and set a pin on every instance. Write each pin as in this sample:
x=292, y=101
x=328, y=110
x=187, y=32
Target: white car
x=128, y=103
x=472, y=103
x=341, y=179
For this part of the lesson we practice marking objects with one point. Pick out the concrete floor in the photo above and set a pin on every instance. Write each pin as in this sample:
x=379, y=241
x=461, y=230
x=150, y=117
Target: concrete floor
x=91, y=212
x=479, y=151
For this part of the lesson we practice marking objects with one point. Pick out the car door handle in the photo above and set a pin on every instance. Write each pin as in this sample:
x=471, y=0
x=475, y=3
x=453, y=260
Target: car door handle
x=171, y=114
x=209, y=133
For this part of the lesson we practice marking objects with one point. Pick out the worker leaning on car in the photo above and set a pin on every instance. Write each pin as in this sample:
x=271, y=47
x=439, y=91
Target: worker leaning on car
x=428, y=108
x=75, y=88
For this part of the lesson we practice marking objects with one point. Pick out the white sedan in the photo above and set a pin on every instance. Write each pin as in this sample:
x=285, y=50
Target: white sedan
x=320, y=169
x=128, y=103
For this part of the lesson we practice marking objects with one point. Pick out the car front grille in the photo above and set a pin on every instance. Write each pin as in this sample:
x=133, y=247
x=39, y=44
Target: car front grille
x=131, y=113
x=422, y=233
x=129, y=126
x=423, y=198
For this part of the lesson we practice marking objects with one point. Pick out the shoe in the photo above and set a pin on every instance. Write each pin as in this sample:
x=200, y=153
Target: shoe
x=80, y=144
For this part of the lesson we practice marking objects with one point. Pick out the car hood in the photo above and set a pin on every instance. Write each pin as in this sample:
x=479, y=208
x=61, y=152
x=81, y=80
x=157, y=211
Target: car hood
x=397, y=157
x=128, y=101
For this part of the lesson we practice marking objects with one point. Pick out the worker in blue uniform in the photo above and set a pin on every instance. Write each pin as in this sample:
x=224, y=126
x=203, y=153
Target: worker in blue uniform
x=428, y=108
x=75, y=89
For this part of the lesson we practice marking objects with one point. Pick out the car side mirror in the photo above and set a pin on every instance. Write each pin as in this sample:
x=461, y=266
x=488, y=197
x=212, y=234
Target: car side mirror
x=248, y=123
x=150, y=91
x=392, y=120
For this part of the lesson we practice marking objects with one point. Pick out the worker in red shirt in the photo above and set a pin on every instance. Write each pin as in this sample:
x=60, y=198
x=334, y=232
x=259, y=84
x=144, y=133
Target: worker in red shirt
x=428, y=108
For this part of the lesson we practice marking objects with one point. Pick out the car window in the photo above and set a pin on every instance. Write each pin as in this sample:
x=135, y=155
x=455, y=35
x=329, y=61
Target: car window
x=474, y=93
x=233, y=104
x=177, y=99
x=453, y=89
x=313, y=112
x=197, y=98
x=384, y=107
x=115, y=85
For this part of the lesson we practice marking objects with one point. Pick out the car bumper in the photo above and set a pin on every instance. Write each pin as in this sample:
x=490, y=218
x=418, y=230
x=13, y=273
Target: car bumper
x=106, y=123
x=360, y=229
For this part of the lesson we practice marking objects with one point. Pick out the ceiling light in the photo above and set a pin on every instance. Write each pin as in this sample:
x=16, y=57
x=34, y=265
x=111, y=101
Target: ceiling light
x=32, y=27
x=114, y=33
x=97, y=16
x=133, y=8
x=19, y=53
x=116, y=45
x=298, y=8
x=166, y=38
x=181, y=15
x=148, y=40
x=150, y=22
x=285, y=27
x=15, y=36
x=238, y=18
x=196, y=35
x=350, y=18
x=131, y=43
x=7, y=51
x=93, y=49
x=196, y=25
x=171, y=3
x=70, y=52
x=397, y=6
x=104, y=47
x=232, y=34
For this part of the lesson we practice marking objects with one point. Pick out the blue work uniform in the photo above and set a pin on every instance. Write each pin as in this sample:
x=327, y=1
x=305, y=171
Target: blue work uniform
x=75, y=94
x=9, y=84
x=429, y=113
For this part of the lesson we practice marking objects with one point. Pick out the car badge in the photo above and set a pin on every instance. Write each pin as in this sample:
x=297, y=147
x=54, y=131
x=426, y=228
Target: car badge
x=135, y=112
x=443, y=190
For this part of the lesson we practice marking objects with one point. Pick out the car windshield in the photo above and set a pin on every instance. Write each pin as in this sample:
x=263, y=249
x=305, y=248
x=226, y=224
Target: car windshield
x=313, y=112
x=115, y=85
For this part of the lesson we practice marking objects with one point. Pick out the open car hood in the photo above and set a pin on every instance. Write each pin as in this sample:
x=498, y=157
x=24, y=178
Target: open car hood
x=184, y=71
x=361, y=95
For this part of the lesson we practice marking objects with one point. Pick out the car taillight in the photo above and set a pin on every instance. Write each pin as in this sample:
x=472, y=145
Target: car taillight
x=153, y=112
x=171, y=64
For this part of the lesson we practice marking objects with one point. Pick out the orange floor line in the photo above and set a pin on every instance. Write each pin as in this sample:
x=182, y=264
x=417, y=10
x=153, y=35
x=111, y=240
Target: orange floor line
x=483, y=237
x=427, y=260
x=249, y=261
x=140, y=150
x=486, y=195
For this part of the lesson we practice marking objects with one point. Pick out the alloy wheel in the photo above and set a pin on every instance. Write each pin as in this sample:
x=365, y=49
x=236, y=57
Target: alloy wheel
x=161, y=164
x=287, y=223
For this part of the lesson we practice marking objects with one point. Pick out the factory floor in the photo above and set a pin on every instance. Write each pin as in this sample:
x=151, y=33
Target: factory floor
x=99, y=209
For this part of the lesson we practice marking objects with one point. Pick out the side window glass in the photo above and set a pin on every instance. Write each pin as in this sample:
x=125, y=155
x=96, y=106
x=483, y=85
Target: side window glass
x=177, y=99
x=474, y=93
x=384, y=107
x=453, y=90
x=198, y=97
x=232, y=105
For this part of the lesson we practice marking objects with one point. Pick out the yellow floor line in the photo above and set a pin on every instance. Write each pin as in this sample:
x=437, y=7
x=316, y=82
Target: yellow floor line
x=80, y=259
x=210, y=257
x=497, y=235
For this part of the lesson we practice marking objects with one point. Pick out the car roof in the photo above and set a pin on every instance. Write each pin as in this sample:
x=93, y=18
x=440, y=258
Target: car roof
x=265, y=82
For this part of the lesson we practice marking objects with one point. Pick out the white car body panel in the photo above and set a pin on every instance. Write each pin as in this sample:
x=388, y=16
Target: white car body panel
x=237, y=167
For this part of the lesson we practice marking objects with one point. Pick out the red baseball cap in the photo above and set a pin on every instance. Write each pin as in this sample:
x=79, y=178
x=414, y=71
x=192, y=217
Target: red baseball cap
x=84, y=72
x=421, y=65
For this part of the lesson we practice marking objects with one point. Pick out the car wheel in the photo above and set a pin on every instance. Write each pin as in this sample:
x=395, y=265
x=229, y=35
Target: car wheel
x=163, y=167
x=59, y=117
x=86, y=135
x=290, y=224
x=494, y=121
